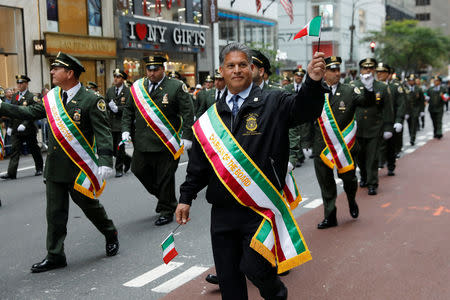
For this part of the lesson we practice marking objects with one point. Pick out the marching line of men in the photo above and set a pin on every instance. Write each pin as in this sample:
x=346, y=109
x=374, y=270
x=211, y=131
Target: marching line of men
x=359, y=123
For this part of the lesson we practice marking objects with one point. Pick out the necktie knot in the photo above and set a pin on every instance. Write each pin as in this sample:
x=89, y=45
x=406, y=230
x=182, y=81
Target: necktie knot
x=64, y=98
x=153, y=88
x=235, y=108
x=218, y=96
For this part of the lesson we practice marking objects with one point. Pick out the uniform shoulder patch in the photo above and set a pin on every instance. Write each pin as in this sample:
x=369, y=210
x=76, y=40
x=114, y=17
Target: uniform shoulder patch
x=101, y=105
x=357, y=90
x=400, y=90
x=184, y=87
x=36, y=99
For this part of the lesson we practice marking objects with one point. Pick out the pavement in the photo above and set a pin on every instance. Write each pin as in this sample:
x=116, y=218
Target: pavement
x=398, y=248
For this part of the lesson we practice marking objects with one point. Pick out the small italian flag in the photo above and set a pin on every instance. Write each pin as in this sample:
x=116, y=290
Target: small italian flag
x=310, y=29
x=168, y=247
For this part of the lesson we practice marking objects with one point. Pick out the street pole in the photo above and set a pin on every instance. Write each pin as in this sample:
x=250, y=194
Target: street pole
x=352, y=29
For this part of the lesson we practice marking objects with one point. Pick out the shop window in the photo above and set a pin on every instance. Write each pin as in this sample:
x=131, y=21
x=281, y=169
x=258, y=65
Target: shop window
x=228, y=29
x=52, y=15
x=95, y=17
x=327, y=12
x=125, y=7
x=169, y=10
x=12, y=54
x=197, y=10
x=423, y=17
x=422, y=2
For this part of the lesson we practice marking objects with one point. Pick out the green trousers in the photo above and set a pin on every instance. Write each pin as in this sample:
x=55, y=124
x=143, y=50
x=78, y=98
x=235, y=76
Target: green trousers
x=436, y=117
x=156, y=171
x=413, y=126
x=325, y=177
x=58, y=212
x=295, y=148
x=367, y=159
x=16, y=147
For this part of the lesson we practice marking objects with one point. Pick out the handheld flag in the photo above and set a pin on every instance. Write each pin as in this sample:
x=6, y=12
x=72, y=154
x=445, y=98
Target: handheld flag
x=445, y=97
x=310, y=29
x=168, y=247
x=2, y=145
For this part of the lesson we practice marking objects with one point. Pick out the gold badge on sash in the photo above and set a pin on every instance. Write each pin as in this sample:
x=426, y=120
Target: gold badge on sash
x=342, y=106
x=165, y=99
x=77, y=116
x=251, y=124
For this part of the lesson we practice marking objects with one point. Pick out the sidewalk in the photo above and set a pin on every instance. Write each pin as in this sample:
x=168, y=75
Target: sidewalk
x=398, y=248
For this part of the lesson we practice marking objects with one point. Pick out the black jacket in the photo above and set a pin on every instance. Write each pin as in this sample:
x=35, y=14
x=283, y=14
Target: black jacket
x=267, y=143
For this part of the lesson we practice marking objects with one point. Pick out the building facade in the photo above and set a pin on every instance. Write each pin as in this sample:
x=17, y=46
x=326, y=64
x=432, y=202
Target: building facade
x=433, y=14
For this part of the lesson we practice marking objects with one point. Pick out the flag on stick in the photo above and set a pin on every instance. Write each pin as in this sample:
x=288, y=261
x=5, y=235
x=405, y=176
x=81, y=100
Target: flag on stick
x=310, y=29
x=2, y=145
x=168, y=248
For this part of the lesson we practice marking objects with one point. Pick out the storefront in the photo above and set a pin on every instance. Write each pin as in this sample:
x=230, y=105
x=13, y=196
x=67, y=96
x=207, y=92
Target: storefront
x=93, y=52
x=179, y=42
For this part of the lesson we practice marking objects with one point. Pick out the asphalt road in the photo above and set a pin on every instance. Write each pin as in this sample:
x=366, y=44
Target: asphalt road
x=137, y=272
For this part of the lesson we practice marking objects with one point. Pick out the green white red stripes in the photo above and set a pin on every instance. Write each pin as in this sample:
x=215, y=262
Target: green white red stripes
x=72, y=141
x=168, y=248
x=155, y=119
x=310, y=29
x=278, y=239
x=291, y=192
x=2, y=145
x=338, y=144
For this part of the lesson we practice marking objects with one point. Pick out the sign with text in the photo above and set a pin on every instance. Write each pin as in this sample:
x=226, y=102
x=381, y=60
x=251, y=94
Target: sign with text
x=145, y=34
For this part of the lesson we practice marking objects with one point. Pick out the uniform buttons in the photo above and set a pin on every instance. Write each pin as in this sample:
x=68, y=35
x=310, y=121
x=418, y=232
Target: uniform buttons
x=365, y=110
x=54, y=147
x=365, y=117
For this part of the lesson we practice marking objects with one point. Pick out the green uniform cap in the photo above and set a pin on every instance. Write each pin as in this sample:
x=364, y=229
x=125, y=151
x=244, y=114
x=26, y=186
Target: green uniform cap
x=22, y=78
x=68, y=61
x=299, y=72
x=217, y=75
x=209, y=79
x=91, y=85
x=121, y=73
x=333, y=62
x=154, y=62
x=261, y=61
x=368, y=63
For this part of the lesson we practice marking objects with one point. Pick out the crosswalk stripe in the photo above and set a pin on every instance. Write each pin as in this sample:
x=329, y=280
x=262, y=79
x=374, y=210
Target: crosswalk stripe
x=179, y=280
x=153, y=274
x=313, y=204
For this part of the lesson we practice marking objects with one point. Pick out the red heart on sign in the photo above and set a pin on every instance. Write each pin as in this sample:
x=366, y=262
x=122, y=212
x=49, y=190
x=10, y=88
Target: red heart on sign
x=141, y=31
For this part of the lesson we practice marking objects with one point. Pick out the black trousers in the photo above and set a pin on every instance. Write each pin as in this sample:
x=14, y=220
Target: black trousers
x=367, y=159
x=119, y=153
x=16, y=143
x=232, y=229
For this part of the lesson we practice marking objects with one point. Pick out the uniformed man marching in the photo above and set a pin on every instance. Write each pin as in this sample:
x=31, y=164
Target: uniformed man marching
x=72, y=166
x=374, y=121
x=436, y=106
x=117, y=96
x=206, y=98
x=415, y=105
x=23, y=131
x=388, y=147
x=162, y=110
x=338, y=119
x=90, y=85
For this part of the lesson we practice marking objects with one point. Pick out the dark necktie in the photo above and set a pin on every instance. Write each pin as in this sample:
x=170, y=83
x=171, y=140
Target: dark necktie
x=153, y=87
x=218, y=96
x=117, y=91
x=64, y=98
x=235, y=109
x=297, y=89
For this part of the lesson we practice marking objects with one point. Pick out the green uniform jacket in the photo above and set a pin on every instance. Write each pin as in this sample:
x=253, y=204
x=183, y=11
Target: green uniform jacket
x=379, y=117
x=173, y=100
x=415, y=100
x=26, y=100
x=398, y=100
x=93, y=122
x=205, y=98
x=436, y=104
x=344, y=103
x=115, y=119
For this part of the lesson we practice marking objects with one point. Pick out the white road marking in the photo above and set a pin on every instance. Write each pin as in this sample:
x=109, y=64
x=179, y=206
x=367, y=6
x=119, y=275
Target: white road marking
x=21, y=169
x=420, y=144
x=153, y=274
x=179, y=280
x=313, y=204
x=338, y=180
x=410, y=150
x=183, y=163
x=422, y=137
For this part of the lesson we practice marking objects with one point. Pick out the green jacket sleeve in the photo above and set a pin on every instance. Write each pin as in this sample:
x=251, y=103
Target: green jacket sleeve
x=32, y=112
x=186, y=110
x=388, y=110
x=102, y=134
x=128, y=114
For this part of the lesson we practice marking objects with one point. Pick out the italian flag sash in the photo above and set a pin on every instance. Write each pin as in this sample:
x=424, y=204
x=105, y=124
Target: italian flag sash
x=278, y=238
x=2, y=145
x=338, y=144
x=73, y=142
x=156, y=119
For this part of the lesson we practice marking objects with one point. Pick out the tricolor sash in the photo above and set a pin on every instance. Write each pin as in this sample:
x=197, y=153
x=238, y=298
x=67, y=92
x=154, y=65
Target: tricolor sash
x=156, y=120
x=290, y=191
x=338, y=144
x=278, y=238
x=73, y=142
x=2, y=145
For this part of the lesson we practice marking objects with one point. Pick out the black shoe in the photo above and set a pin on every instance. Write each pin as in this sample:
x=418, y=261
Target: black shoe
x=163, y=220
x=412, y=143
x=38, y=173
x=363, y=183
x=284, y=273
x=397, y=155
x=119, y=174
x=372, y=191
x=327, y=223
x=391, y=173
x=439, y=136
x=112, y=244
x=211, y=278
x=47, y=265
x=7, y=176
x=127, y=164
x=354, y=210
x=380, y=166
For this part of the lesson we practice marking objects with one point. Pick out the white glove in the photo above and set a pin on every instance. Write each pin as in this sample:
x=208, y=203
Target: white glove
x=307, y=152
x=398, y=127
x=9, y=131
x=367, y=80
x=1, y=102
x=427, y=98
x=387, y=135
x=113, y=106
x=290, y=167
x=187, y=144
x=103, y=172
x=406, y=117
x=125, y=136
x=21, y=128
x=422, y=114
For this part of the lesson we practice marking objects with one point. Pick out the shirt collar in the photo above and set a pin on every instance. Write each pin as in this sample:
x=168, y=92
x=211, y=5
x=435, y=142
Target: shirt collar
x=119, y=89
x=261, y=86
x=164, y=76
x=73, y=91
x=243, y=94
